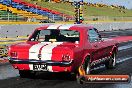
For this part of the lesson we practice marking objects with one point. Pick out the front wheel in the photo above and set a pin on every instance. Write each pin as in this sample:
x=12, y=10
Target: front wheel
x=112, y=62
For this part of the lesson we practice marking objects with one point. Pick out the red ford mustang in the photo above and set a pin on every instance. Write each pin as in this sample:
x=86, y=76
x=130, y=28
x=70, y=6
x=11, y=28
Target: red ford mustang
x=63, y=48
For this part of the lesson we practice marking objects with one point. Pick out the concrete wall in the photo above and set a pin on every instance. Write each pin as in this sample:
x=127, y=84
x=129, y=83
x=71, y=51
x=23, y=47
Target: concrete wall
x=16, y=30
x=27, y=29
x=112, y=26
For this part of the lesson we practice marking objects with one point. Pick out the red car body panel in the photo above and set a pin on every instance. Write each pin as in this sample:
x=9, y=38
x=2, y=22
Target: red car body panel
x=55, y=51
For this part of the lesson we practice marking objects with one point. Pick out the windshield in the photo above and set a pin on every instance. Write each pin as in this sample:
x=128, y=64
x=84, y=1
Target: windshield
x=55, y=35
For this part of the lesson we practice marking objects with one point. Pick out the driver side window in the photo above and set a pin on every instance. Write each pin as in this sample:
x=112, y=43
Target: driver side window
x=93, y=35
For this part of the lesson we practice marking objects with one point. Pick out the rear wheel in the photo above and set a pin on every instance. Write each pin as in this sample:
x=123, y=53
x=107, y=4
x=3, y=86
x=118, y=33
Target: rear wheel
x=26, y=74
x=85, y=69
x=112, y=62
x=86, y=65
x=81, y=80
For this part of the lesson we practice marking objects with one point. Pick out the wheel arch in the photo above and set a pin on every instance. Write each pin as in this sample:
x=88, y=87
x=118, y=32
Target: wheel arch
x=80, y=70
x=114, y=49
x=86, y=55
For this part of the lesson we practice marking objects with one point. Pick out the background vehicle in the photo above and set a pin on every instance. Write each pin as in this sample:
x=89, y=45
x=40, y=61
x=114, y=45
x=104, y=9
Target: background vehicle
x=46, y=21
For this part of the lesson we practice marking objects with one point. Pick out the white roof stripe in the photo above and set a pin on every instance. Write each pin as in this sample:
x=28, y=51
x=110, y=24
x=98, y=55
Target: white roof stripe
x=54, y=26
x=66, y=26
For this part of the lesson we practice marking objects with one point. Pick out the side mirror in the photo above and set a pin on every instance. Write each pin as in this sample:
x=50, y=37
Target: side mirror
x=101, y=39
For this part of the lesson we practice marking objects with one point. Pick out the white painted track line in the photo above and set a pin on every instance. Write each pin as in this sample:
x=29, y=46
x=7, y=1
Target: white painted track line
x=125, y=47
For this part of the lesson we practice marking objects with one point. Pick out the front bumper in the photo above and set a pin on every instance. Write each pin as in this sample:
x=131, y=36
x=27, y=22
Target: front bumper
x=48, y=62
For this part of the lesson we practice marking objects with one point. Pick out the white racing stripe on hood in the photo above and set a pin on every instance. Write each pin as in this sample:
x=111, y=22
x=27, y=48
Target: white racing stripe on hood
x=34, y=51
x=54, y=26
x=47, y=52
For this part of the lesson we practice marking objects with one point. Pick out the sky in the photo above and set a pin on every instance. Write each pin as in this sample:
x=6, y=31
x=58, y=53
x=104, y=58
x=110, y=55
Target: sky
x=126, y=3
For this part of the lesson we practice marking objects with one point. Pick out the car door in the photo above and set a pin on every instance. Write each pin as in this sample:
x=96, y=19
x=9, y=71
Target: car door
x=106, y=47
x=97, y=49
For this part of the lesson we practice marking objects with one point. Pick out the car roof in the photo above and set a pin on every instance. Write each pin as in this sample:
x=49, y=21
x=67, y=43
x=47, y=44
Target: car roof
x=78, y=27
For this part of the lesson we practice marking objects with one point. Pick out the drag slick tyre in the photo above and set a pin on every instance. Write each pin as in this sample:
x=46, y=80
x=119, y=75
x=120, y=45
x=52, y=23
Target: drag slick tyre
x=86, y=70
x=86, y=65
x=26, y=74
x=112, y=62
x=81, y=80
